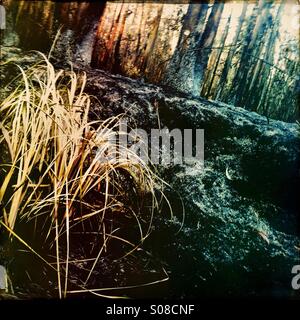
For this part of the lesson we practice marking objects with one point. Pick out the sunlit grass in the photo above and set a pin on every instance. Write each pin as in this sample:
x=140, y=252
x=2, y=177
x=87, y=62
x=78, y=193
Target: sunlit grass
x=58, y=158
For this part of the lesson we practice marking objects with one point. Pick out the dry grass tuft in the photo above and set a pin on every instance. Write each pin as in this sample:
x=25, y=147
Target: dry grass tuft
x=66, y=170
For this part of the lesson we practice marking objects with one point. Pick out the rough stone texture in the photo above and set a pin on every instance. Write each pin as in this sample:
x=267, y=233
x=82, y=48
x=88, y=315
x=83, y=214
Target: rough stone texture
x=240, y=235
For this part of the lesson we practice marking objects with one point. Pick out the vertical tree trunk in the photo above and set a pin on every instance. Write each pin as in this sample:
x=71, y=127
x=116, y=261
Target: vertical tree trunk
x=208, y=83
x=180, y=70
x=265, y=75
x=225, y=81
x=253, y=51
x=204, y=46
x=243, y=66
x=248, y=87
x=103, y=47
x=152, y=39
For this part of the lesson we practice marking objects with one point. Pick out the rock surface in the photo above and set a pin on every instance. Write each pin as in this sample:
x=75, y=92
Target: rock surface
x=241, y=234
